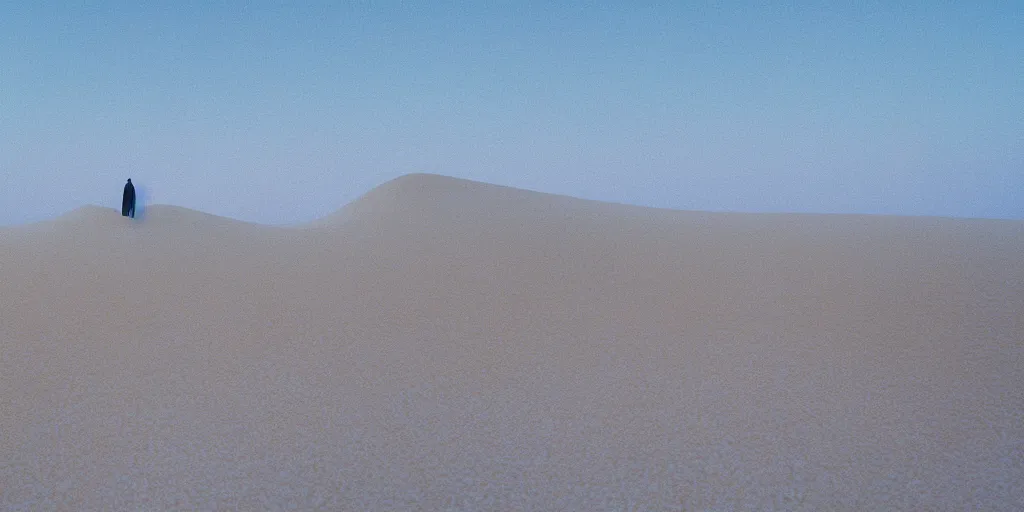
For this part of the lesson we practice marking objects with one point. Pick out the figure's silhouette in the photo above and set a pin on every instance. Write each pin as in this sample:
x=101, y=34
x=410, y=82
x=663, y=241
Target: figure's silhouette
x=128, y=200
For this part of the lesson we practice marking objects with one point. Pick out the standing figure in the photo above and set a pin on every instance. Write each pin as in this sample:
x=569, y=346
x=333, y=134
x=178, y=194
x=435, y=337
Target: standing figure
x=128, y=200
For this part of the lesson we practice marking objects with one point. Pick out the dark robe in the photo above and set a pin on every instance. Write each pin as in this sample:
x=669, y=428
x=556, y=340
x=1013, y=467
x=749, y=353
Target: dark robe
x=128, y=200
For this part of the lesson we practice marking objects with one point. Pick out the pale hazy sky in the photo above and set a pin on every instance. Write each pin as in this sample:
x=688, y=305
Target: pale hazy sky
x=282, y=112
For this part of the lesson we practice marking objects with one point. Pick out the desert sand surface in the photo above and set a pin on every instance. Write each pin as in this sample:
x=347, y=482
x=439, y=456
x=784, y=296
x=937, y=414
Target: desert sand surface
x=441, y=344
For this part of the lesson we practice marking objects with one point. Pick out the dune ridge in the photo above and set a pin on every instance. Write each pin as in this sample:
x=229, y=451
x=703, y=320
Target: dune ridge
x=447, y=344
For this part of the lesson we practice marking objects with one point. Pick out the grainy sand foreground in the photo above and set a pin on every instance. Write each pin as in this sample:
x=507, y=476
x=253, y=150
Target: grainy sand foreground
x=443, y=344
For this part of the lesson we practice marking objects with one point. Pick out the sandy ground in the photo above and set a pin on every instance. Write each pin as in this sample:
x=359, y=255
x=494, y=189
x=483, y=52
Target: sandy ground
x=448, y=345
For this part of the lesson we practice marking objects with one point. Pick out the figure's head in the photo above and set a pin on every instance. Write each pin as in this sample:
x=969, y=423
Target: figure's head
x=129, y=180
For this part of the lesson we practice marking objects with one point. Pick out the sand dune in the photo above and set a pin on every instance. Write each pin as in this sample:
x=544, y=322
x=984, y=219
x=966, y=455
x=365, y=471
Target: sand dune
x=445, y=344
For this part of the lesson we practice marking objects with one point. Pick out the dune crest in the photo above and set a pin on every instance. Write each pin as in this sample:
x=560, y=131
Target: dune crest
x=435, y=195
x=85, y=215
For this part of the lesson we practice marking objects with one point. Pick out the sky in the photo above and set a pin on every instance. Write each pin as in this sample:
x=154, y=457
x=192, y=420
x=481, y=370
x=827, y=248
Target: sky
x=282, y=112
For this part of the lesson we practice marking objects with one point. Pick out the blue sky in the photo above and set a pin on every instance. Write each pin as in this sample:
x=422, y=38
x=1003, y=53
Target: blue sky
x=277, y=113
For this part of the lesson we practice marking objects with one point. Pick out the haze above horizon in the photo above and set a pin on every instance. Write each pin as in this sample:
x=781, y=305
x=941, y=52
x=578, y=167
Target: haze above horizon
x=280, y=114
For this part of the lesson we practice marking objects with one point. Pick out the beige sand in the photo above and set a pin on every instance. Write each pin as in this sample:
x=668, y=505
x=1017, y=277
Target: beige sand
x=442, y=344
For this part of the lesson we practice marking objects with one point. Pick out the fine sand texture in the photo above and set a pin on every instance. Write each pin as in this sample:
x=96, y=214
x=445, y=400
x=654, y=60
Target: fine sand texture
x=441, y=344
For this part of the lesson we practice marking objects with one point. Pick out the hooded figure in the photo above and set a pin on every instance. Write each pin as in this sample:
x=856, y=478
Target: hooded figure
x=128, y=200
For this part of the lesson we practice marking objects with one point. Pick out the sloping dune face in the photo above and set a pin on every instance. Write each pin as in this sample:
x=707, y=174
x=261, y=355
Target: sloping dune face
x=444, y=344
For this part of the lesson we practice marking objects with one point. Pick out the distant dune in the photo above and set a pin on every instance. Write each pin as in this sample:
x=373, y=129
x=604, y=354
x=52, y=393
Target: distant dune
x=442, y=344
